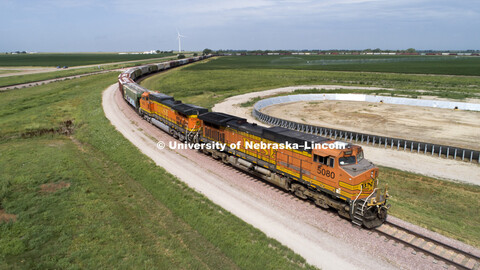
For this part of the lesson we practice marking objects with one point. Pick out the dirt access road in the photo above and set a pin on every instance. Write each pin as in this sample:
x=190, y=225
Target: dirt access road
x=321, y=237
x=412, y=162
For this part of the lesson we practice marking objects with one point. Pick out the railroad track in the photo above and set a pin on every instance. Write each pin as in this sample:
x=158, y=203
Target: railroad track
x=450, y=255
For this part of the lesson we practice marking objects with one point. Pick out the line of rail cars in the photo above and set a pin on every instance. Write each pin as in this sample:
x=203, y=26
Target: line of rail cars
x=339, y=178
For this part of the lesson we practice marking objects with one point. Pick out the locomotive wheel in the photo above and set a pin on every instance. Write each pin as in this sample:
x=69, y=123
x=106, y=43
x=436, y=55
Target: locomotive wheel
x=299, y=191
x=321, y=203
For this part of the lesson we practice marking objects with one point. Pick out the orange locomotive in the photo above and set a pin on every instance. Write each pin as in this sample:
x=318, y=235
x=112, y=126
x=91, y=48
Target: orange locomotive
x=174, y=117
x=303, y=164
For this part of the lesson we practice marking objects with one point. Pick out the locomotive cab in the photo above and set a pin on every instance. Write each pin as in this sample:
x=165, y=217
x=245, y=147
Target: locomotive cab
x=369, y=205
x=355, y=180
x=348, y=169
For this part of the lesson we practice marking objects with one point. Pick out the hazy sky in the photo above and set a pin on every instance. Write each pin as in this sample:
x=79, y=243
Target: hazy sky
x=129, y=25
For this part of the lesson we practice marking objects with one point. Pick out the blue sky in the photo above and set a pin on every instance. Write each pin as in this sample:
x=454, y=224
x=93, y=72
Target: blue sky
x=126, y=25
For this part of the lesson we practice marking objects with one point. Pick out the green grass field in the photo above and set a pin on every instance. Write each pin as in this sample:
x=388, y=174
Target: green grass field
x=71, y=59
x=452, y=65
x=113, y=208
x=445, y=207
x=448, y=208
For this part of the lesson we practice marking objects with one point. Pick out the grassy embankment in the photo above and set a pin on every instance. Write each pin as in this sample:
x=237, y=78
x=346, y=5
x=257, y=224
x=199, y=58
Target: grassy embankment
x=83, y=197
x=12, y=80
x=448, y=208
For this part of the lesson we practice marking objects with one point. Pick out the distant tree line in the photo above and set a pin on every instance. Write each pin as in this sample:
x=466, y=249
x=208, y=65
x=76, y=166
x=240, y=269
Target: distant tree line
x=159, y=51
x=16, y=52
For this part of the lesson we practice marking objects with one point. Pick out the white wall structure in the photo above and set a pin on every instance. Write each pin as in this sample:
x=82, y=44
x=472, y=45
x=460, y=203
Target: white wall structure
x=370, y=98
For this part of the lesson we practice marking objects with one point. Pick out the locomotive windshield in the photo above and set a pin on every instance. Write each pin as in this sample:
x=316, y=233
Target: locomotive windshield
x=347, y=160
x=360, y=156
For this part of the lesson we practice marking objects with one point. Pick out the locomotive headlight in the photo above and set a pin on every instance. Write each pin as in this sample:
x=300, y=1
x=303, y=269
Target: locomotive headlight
x=371, y=174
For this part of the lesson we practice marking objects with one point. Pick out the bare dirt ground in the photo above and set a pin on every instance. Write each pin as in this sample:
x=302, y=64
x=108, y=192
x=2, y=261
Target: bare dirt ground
x=435, y=125
x=53, y=187
x=4, y=217
x=321, y=237
x=417, y=163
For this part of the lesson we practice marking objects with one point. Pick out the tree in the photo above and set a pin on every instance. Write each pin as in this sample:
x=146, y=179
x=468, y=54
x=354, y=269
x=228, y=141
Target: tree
x=195, y=54
x=181, y=56
x=207, y=51
x=411, y=50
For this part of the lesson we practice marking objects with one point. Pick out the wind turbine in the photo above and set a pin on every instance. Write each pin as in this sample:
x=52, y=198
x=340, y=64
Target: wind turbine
x=179, y=36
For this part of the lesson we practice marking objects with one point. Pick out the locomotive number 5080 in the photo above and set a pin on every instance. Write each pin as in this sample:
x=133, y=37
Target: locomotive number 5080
x=325, y=172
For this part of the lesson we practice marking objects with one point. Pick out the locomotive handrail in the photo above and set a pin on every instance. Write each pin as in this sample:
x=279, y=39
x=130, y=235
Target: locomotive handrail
x=354, y=201
x=400, y=144
x=366, y=199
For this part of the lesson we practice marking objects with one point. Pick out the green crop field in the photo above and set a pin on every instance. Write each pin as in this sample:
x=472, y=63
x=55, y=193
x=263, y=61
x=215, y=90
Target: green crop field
x=452, y=65
x=435, y=204
x=71, y=59
x=75, y=194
